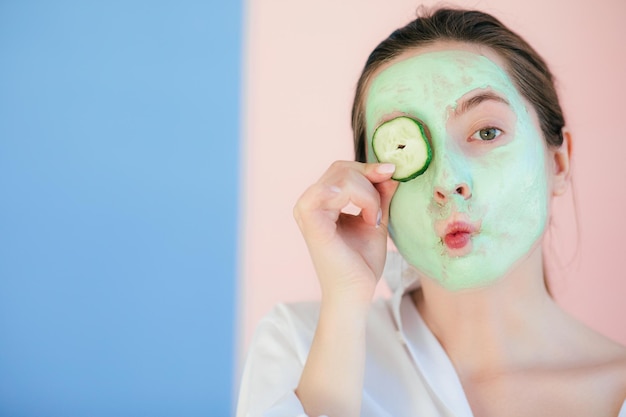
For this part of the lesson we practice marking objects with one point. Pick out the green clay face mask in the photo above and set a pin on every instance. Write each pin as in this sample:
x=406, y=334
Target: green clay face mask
x=482, y=204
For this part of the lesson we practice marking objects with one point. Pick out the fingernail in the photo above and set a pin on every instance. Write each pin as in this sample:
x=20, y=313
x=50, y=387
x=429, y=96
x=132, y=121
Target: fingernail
x=385, y=168
x=335, y=189
x=379, y=217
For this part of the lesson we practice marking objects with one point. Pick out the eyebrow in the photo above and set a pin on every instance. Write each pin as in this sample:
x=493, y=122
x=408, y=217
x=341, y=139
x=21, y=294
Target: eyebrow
x=467, y=105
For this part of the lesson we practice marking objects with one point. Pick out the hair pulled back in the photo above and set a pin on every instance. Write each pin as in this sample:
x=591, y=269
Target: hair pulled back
x=526, y=68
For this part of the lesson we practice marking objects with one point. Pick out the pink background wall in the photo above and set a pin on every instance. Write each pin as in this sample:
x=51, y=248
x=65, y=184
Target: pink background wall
x=302, y=63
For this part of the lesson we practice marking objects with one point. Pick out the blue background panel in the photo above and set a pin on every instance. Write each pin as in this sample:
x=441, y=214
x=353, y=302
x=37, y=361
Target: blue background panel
x=119, y=137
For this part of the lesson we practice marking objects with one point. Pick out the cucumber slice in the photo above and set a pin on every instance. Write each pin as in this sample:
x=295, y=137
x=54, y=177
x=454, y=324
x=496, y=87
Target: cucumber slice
x=402, y=141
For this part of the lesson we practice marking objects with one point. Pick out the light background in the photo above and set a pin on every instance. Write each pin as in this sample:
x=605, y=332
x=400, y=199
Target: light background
x=303, y=61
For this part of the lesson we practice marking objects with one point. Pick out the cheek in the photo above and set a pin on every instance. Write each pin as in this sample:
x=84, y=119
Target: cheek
x=408, y=204
x=412, y=218
x=516, y=196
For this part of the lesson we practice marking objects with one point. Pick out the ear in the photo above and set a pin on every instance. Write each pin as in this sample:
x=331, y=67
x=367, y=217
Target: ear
x=561, y=163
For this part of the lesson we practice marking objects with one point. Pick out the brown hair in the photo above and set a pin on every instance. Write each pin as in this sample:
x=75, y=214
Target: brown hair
x=527, y=69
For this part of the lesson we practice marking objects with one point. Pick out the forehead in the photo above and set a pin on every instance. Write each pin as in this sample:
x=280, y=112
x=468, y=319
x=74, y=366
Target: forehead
x=434, y=79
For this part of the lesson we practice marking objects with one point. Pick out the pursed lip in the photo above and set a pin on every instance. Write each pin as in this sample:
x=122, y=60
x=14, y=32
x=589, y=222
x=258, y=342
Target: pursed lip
x=459, y=227
x=456, y=232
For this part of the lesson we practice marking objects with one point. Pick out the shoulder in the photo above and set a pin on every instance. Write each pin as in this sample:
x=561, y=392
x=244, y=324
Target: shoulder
x=595, y=351
x=602, y=367
x=605, y=382
x=582, y=366
x=616, y=373
x=579, y=344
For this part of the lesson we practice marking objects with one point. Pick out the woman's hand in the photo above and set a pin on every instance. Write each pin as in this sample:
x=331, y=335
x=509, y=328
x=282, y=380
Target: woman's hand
x=348, y=251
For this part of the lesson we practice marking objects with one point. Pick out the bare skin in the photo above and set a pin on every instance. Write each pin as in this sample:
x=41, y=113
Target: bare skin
x=509, y=357
x=515, y=351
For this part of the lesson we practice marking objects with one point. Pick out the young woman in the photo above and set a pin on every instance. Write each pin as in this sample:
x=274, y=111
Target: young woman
x=471, y=328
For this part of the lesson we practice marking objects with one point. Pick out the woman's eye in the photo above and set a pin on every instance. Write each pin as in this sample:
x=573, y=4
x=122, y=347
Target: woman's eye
x=489, y=133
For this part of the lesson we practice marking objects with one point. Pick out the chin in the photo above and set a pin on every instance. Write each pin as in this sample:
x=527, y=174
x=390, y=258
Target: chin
x=474, y=267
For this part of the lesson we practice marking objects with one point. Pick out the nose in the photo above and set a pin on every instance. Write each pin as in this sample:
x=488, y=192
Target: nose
x=451, y=176
x=442, y=195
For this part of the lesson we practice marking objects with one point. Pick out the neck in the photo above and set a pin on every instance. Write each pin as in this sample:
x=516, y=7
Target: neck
x=487, y=330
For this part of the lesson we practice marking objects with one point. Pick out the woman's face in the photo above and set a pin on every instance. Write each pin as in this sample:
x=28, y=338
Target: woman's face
x=482, y=204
